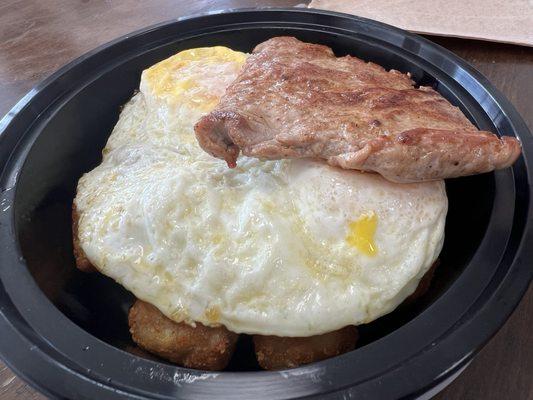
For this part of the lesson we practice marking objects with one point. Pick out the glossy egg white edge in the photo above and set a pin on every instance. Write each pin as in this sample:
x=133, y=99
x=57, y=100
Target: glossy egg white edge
x=262, y=248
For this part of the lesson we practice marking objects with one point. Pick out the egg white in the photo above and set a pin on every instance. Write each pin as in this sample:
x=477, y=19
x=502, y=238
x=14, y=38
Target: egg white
x=261, y=248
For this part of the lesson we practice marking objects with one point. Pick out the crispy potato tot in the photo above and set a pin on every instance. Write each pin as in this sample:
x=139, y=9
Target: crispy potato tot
x=199, y=347
x=274, y=352
x=423, y=285
x=82, y=263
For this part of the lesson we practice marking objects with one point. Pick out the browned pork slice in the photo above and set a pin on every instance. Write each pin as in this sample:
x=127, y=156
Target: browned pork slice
x=294, y=99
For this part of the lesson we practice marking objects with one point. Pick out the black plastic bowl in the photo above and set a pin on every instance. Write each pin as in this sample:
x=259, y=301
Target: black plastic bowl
x=66, y=332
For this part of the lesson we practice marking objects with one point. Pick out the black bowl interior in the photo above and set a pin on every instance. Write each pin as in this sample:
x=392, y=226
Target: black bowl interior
x=70, y=144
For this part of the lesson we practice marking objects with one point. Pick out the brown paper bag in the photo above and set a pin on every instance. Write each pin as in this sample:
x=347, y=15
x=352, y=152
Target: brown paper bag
x=508, y=21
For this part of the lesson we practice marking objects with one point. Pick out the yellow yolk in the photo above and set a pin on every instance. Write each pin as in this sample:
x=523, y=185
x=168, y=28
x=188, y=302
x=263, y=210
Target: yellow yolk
x=361, y=234
x=179, y=77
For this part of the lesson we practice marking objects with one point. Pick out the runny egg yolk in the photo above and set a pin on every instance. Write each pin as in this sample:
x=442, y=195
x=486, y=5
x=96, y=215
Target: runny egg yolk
x=361, y=234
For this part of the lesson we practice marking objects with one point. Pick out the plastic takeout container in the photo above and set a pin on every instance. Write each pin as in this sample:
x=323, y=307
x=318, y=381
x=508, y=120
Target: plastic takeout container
x=66, y=332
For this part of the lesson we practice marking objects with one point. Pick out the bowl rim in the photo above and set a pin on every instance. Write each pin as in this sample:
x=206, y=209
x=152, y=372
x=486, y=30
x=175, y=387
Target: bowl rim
x=59, y=368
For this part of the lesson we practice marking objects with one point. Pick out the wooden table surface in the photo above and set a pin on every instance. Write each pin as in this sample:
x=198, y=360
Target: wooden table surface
x=39, y=36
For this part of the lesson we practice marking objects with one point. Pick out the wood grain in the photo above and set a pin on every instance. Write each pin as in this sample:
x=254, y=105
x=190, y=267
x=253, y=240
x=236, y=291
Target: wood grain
x=37, y=37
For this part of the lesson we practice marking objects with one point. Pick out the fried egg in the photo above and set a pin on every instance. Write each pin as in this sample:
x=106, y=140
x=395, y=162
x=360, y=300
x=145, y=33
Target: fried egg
x=286, y=248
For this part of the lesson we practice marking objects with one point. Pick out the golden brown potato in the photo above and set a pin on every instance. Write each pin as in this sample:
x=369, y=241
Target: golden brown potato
x=423, y=285
x=82, y=263
x=274, y=352
x=200, y=347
